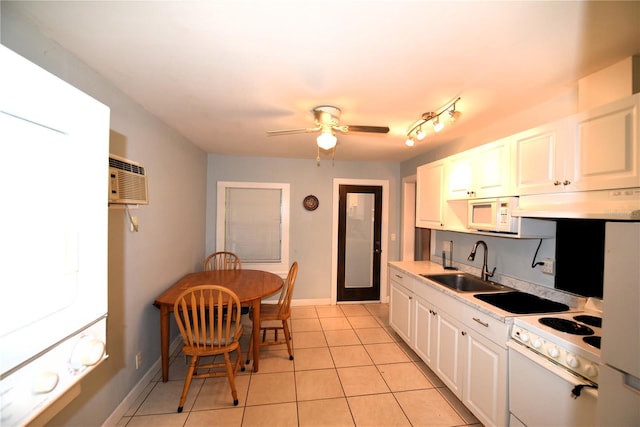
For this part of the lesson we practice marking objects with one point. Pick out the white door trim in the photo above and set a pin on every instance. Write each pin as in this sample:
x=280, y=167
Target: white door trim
x=337, y=182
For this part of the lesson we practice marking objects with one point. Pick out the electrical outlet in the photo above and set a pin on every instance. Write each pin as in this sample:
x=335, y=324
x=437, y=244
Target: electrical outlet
x=138, y=360
x=549, y=266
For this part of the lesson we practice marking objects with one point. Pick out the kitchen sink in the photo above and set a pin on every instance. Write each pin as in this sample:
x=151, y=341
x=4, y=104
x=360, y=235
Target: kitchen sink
x=464, y=282
x=522, y=303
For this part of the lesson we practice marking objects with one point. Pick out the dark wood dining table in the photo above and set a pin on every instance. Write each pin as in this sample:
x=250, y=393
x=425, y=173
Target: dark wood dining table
x=250, y=286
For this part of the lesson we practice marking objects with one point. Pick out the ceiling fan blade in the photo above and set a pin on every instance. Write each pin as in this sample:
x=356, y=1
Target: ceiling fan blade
x=372, y=129
x=291, y=131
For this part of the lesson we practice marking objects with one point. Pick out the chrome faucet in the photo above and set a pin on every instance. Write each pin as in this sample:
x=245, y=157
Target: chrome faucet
x=485, y=270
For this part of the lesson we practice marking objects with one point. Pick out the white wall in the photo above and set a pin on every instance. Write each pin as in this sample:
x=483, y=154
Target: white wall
x=310, y=232
x=142, y=265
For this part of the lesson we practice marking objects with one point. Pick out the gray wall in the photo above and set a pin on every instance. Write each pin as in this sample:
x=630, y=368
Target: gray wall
x=310, y=232
x=169, y=244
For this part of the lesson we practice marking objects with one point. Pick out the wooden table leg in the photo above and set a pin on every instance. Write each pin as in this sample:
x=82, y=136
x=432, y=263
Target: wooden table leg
x=164, y=341
x=255, y=306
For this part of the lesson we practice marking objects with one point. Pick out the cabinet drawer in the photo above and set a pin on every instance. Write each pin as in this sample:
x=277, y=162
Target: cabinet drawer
x=401, y=278
x=487, y=326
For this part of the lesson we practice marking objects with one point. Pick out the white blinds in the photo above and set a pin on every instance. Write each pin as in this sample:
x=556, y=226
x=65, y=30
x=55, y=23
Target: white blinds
x=253, y=224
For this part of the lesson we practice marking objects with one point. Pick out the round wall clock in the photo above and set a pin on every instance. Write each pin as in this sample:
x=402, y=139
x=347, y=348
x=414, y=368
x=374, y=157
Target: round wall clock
x=310, y=202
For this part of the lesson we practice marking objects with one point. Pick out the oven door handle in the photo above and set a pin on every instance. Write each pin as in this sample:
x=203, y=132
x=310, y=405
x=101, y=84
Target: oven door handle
x=555, y=369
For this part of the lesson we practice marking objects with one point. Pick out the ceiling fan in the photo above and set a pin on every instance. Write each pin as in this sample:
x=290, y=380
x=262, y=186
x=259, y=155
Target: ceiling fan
x=327, y=120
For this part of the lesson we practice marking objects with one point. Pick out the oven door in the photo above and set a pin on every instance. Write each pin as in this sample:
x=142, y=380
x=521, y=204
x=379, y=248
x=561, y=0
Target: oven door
x=540, y=392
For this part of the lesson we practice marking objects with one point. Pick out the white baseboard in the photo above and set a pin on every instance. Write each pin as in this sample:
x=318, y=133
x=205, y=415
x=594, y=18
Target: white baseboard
x=131, y=398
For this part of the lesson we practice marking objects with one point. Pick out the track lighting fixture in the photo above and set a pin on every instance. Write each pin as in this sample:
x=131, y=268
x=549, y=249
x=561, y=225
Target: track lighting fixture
x=437, y=125
x=417, y=133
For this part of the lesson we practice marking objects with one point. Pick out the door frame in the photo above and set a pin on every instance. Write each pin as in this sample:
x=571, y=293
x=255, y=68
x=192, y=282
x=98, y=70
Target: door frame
x=384, y=292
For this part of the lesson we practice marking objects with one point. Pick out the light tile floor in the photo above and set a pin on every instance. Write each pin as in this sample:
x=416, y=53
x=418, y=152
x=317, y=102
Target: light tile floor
x=350, y=369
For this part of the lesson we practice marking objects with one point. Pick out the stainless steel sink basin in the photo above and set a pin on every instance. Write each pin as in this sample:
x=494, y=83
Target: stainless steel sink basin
x=464, y=282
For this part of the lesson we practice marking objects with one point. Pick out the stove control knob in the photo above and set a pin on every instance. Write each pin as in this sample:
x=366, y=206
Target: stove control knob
x=87, y=352
x=536, y=343
x=572, y=361
x=553, y=352
x=590, y=370
x=524, y=337
x=45, y=382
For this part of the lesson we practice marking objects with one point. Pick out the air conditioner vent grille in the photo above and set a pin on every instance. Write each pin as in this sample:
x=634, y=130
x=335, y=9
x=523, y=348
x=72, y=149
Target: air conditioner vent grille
x=126, y=166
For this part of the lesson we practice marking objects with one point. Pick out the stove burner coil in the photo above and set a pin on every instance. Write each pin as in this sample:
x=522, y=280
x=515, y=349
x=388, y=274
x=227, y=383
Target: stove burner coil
x=564, y=325
x=589, y=320
x=593, y=341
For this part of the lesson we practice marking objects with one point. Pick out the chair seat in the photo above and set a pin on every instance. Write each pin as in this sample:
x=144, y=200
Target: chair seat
x=232, y=339
x=268, y=312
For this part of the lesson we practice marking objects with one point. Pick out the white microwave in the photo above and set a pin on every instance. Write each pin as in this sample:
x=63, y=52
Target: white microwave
x=493, y=214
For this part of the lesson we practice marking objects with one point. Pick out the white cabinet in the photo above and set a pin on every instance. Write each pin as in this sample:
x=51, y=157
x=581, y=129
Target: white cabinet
x=539, y=159
x=424, y=322
x=472, y=365
x=484, y=171
x=429, y=200
x=465, y=347
x=450, y=350
x=400, y=300
x=605, y=146
x=485, y=382
x=595, y=150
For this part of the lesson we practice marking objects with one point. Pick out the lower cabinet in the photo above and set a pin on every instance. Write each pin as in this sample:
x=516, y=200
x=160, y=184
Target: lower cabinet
x=425, y=336
x=400, y=309
x=485, y=386
x=463, y=346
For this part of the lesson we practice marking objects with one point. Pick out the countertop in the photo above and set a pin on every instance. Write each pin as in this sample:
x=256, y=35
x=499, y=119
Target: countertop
x=415, y=268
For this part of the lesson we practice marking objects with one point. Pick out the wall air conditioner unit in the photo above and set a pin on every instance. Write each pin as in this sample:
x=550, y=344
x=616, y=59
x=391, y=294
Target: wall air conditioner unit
x=127, y=182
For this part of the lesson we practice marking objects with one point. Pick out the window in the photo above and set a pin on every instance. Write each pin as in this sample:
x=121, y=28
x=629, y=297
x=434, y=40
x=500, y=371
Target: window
x=253, y=223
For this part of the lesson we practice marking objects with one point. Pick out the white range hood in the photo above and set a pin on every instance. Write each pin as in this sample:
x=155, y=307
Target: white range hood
x=622, y=204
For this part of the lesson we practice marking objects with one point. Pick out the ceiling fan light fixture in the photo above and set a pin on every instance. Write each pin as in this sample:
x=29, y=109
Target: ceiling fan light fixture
x=327, y=140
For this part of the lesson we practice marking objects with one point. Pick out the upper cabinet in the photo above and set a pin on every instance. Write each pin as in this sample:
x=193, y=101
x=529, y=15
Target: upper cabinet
x=604, y=152
x=595, y=150
x=539, y=159
x=429, y=201
x=484, y=171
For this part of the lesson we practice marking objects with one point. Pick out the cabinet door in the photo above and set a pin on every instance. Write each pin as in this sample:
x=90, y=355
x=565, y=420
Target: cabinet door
x=460, y=177
x=605, y=152
x=492, y=169
x=449, y=353
x=400, y=310
x=539, y=154
x=424, y=336
x=485, y=385
x=429, y=202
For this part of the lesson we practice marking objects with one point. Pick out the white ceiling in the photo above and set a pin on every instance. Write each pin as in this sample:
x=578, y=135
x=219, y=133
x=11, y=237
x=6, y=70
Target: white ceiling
x=222, y=73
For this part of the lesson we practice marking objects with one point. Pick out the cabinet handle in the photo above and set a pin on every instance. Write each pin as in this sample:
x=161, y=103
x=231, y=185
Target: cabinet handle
x=463, y=333
x=398, y=276
x=566, y=182
x=486, y=325
x=556, y=182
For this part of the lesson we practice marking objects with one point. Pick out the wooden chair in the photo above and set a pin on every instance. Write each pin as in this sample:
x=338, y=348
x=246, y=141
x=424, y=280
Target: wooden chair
x=209, y=321
x=271, y=314
x=222, y=260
